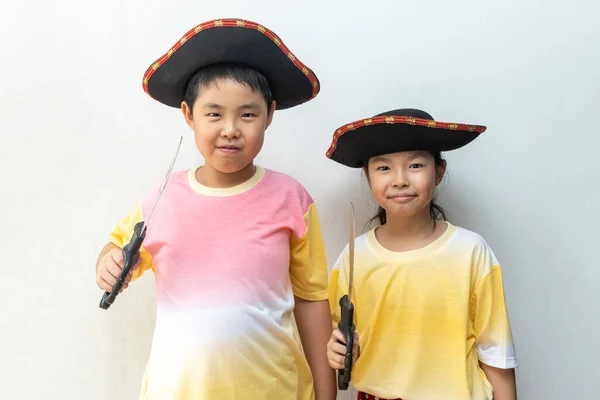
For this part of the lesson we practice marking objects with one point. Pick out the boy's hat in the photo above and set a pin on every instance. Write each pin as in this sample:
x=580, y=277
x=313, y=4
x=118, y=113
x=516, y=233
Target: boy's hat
x=233, y=41
x=395, y=131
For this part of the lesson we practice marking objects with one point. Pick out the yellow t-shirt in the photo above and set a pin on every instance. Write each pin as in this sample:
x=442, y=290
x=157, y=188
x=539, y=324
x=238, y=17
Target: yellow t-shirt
x=425, y=318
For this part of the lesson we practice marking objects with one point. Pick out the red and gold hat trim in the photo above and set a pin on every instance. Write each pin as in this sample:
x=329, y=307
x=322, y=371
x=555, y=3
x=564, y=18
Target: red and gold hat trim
x=232, y=23
x=401, y=120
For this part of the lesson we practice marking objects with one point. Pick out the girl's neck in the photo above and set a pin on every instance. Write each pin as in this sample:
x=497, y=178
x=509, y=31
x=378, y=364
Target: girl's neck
x=409, y=233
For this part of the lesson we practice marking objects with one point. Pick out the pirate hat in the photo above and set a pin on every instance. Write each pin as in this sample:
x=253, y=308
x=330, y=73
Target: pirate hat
x=395, y=131
x=232, y=41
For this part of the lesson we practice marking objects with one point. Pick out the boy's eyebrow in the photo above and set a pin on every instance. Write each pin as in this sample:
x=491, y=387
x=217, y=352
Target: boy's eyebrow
x=380, y=159
x=247, y=106
x=250, y=106
x=211, y=105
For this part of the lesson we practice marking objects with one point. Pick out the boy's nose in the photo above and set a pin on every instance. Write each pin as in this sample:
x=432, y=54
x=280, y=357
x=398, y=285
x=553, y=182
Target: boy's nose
x=230, y=132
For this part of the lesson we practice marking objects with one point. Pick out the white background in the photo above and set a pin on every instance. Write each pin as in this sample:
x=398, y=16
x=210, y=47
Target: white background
x=80, y=143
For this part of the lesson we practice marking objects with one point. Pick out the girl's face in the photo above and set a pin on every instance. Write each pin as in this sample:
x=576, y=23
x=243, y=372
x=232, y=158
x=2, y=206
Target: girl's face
x=404, y=183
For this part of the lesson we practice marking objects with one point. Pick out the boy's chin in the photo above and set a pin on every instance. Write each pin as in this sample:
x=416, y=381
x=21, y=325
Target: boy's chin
x=231, y=168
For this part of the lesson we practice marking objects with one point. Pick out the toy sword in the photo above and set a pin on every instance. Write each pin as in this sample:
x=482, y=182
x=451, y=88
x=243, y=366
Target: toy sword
x=131, y=251
x=346, y=324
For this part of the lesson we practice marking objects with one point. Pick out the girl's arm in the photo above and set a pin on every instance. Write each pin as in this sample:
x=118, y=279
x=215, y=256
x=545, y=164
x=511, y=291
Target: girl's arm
x=503, y=381
x=314, y=326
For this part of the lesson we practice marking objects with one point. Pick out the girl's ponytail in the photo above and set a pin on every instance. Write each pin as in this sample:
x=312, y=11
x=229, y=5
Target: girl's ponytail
x=436, y=211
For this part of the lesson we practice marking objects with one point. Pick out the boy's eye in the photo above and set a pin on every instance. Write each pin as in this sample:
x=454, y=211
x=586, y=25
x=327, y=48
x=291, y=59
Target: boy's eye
x=416, y=165
x=248, y=115
x=383, y=168
x=213, y=115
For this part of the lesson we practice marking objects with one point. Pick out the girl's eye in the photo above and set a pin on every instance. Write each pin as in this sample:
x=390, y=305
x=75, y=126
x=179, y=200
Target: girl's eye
x=383, y=168
x=416, y=165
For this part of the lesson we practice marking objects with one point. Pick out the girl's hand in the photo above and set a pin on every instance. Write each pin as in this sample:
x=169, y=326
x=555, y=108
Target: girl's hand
x=336, y=351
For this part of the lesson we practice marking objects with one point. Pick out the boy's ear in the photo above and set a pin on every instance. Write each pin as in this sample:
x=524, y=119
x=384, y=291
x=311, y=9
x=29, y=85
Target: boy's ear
x=187, y=114
x=270, y=113
x=440, y=170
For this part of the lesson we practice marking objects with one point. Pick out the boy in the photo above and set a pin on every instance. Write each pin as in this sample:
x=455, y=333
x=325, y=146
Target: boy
x=235, y=248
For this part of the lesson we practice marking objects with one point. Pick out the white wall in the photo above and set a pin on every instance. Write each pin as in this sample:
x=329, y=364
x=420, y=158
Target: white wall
x=80, y=142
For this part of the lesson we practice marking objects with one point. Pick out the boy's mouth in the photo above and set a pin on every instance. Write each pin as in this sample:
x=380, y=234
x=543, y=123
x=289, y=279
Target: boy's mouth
x=229, y=149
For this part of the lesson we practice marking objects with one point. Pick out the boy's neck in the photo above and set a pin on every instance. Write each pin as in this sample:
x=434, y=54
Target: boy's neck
x=210, y=177
x=409, y=233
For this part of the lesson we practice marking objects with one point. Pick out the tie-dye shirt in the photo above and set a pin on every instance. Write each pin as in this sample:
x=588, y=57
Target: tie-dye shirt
x=425, y=318
x=227, y=264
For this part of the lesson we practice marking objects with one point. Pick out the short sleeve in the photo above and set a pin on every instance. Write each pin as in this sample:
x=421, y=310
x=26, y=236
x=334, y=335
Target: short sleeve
x=121, y=235
x=336, y=288
x=308, y=264
x=494, y=340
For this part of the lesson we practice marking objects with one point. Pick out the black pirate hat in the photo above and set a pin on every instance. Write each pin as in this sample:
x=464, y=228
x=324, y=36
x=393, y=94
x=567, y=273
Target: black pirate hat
x=232, y=41
x=395, y=131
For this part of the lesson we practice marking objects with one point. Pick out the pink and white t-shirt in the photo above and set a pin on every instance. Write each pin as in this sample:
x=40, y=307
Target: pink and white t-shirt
x=228, y=263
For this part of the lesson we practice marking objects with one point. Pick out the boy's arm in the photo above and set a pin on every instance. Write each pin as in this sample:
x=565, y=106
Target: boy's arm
x=313, y=319
x=109, y=267
x=503, y=381
x=109, y=246
x=110, y=260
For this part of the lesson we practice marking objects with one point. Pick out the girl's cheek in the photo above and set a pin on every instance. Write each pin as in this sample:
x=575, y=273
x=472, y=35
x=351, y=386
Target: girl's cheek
x=380, y=196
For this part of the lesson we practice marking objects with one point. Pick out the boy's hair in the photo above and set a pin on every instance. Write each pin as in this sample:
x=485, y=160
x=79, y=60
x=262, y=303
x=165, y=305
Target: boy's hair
x=244, y=75
x=436, y=212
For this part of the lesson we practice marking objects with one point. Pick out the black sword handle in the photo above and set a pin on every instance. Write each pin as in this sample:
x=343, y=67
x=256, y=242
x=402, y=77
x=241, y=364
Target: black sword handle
x=131, y=253
x=347, y=327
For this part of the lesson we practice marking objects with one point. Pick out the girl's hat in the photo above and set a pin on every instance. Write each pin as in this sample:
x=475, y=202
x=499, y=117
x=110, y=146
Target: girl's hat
x=232, y=41
x=395, y=131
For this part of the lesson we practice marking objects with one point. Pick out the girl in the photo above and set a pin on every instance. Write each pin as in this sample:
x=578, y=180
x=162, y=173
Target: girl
x=430, y=315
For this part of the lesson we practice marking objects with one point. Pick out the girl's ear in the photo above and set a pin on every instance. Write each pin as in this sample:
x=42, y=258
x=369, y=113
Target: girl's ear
x=440, y=170
x=366, y=172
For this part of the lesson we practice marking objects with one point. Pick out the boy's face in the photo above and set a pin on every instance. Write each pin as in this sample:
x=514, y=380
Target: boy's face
x=404, y=183
x=229, y=121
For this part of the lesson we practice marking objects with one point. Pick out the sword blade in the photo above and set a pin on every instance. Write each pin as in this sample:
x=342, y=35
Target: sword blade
x=351, y=253
x=163, y=185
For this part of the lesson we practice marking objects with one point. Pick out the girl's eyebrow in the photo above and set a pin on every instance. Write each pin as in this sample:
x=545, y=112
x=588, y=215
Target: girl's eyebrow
x=416, y=155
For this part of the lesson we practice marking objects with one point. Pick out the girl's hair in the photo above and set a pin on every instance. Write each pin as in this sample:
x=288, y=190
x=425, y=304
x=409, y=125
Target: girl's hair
x=436, y=212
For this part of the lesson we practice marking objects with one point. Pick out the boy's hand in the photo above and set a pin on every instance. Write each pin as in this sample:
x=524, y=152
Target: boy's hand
x=336, y=351
x=109, y=268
